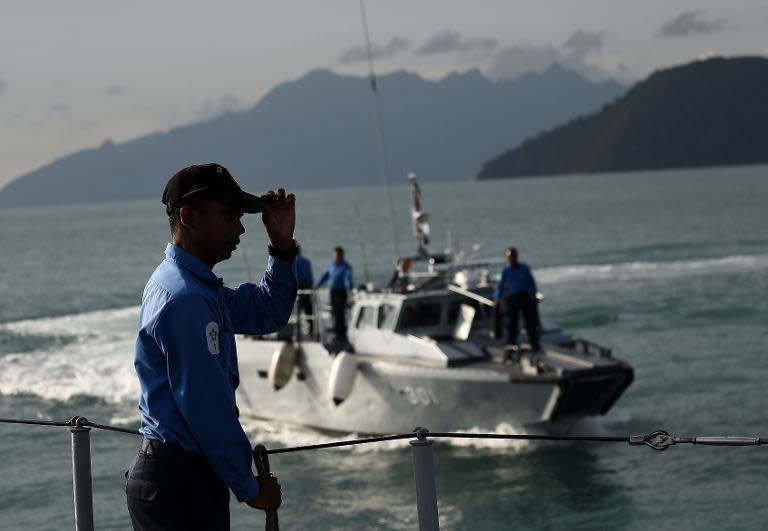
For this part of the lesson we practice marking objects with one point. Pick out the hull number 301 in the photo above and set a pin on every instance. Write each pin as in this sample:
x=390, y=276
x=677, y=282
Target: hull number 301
x=419, y=396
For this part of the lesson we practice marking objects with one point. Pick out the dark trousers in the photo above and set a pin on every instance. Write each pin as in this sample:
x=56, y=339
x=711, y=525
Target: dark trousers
x=305, y=307
x=513, y=306
x=169, y=489
x=339, y=312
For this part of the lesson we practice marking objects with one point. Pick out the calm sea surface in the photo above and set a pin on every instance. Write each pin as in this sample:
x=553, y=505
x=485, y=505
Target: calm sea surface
x=670, y=269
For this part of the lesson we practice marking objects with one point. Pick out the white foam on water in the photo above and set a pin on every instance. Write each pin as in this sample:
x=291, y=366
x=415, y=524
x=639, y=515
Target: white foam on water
x=98, y=362
x=285, y=434
x=126, y=420
x=282, y=435
x=493, y=444
x=643, y=270
x=290, y=435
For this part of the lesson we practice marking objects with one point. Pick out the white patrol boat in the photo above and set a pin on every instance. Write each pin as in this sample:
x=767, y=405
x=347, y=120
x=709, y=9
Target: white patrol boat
x=421, y=352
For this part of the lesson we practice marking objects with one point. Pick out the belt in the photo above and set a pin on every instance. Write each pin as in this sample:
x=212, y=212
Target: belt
x=160, y=449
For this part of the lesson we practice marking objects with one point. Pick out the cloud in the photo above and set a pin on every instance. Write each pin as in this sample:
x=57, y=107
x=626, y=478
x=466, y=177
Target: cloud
x=513, y=61
x=691, y=23
x=583, y=43
x=358, y=54
x=708, y=54
x=447, y=41
x=3, y=86
x=214, y=108
x=116, y=90
x=577, y=53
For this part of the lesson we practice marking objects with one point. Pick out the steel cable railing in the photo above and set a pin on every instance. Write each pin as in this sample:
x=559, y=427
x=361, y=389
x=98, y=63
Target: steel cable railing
x=421, y=441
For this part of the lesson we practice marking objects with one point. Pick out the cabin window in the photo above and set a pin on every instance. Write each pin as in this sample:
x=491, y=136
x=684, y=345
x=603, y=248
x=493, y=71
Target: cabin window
x=366, y=318
x=420, y=314
x=386, y=316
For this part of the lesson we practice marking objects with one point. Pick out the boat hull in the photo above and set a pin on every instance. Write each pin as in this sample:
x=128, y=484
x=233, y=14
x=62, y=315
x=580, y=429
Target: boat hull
x=389, y=396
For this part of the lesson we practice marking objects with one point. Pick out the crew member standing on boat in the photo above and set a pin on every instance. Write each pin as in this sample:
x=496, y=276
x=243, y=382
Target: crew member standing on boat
x=306, y=282
x=194, y=447
x=339, y=272
x=516, y=293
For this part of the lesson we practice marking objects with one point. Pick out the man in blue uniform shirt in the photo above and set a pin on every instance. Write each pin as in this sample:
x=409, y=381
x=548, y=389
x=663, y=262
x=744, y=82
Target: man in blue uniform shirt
x=339, y=272
x=306, y=282
x=516, y=293
x=194, y=448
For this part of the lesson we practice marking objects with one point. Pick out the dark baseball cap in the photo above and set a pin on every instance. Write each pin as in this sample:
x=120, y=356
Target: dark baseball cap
x=212, y=180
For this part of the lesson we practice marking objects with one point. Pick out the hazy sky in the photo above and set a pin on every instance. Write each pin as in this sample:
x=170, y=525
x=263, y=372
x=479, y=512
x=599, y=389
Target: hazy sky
x=75, y=73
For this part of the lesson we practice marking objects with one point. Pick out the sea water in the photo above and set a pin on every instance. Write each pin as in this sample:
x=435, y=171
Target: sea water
x=670, y=269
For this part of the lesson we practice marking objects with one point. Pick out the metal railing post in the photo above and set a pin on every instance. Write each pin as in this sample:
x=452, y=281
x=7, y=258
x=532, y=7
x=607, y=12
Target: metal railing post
x=424, y=474
x=81, y=474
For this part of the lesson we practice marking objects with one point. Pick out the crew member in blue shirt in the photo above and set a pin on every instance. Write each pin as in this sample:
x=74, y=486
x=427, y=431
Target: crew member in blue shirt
x=306, y=282
x=516, y=293
x=339, y=273
x=194, y=448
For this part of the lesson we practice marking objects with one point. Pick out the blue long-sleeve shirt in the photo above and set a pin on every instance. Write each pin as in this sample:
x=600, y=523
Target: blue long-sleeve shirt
x=304, y=272
x=186, y=358
x=517, y=279
x=339, y=274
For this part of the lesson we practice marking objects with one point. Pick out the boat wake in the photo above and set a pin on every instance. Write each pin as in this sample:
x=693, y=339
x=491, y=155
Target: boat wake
x=493, y=444
x=643, y=270
x=275, y=434
x=96, y=360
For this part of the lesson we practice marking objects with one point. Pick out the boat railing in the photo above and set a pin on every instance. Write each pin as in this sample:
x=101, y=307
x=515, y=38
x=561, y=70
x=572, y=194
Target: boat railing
x=421, y=440
x=295, y=325
x=316, y=319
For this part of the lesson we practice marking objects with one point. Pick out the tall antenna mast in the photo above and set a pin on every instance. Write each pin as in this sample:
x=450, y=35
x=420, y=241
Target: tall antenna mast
x=419, y=218
x=379, y=130
x=366, y=275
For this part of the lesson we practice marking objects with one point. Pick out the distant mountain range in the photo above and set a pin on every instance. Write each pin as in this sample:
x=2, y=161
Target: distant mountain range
x=319, y=131
x=707, y=113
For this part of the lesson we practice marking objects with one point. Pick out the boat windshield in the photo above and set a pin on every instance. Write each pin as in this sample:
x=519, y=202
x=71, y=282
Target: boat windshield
x=381, y=316
x=366, y=318
x=420, y=314
x=436, y=317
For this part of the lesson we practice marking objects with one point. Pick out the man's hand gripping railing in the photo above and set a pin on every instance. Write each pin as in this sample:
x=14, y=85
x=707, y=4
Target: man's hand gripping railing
x=270, y=495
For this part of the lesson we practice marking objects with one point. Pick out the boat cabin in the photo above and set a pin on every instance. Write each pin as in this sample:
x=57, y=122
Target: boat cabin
x=429, y=325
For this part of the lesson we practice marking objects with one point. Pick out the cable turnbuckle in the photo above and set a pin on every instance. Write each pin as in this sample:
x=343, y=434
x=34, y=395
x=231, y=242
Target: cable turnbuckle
x=658, y=440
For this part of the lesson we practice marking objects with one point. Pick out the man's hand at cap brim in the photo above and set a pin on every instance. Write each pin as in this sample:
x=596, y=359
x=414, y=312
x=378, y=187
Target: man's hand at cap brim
x=279, y=217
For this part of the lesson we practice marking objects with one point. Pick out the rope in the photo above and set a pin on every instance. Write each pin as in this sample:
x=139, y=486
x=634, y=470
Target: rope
x=658, y=440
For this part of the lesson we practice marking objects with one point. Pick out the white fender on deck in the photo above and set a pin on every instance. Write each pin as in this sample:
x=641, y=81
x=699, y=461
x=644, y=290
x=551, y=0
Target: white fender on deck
x=342, y=377
x=283, y=363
